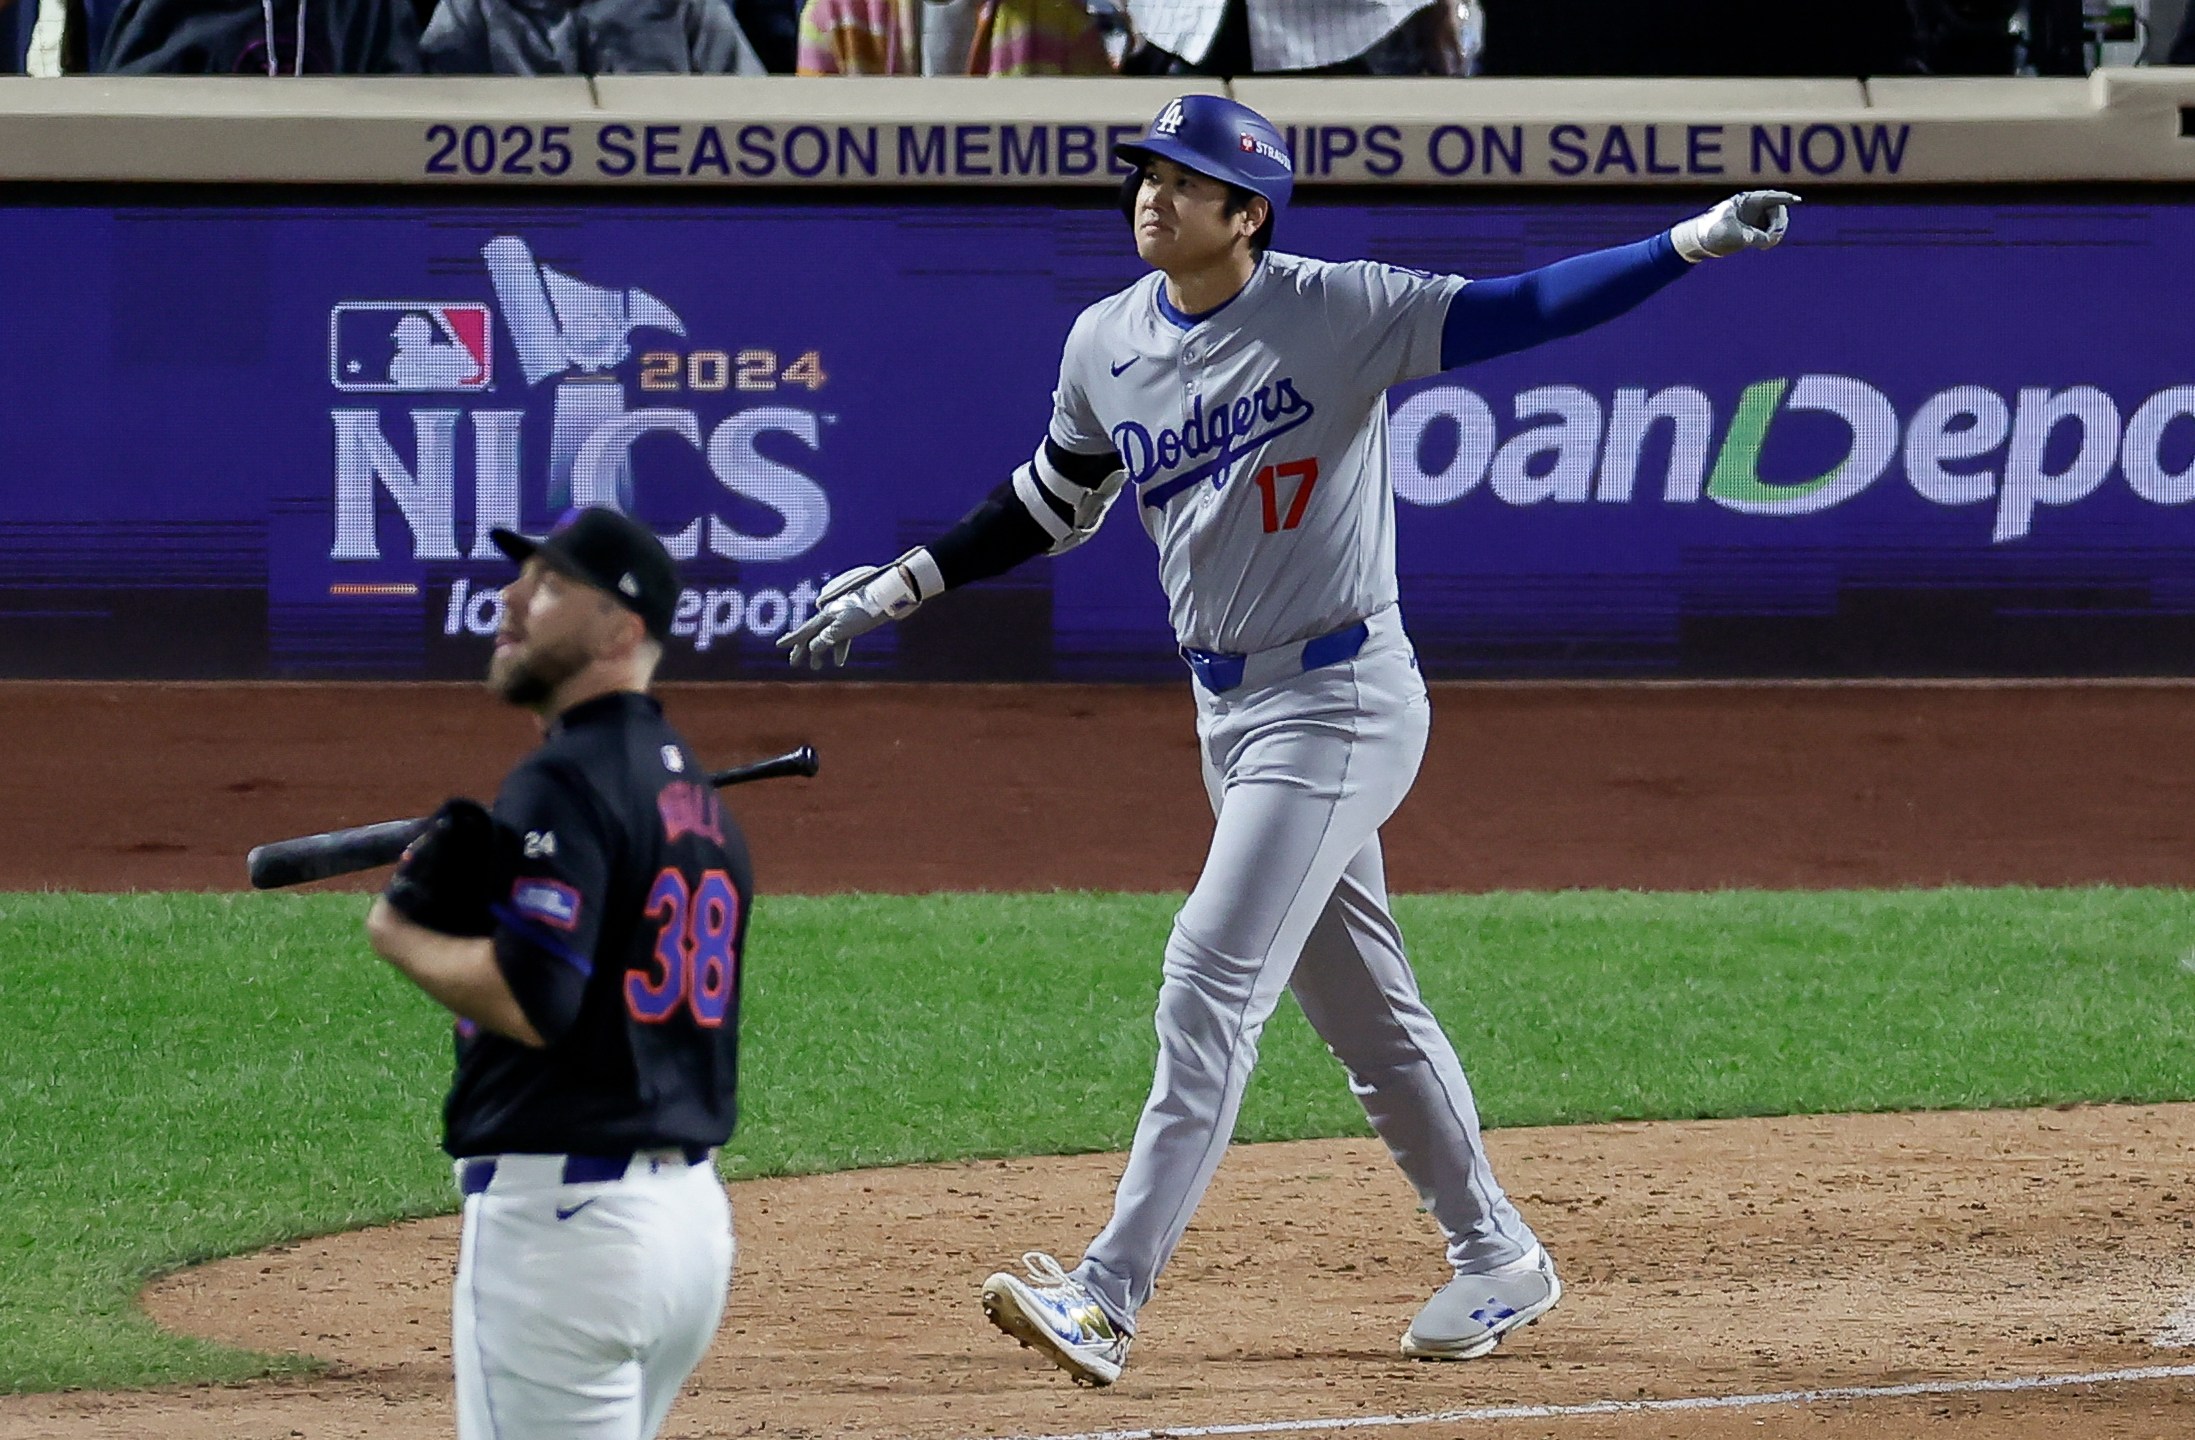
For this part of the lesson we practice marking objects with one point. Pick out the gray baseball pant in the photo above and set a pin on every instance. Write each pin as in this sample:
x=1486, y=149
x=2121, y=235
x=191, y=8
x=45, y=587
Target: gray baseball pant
x=1293, y=895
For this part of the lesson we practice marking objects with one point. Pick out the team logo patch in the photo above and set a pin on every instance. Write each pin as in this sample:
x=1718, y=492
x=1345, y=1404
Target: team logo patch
x=552, y=902
x=399, y=346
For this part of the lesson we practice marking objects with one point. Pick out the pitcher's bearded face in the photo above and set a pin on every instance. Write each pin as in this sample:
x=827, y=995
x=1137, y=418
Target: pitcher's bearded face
x=553, y=627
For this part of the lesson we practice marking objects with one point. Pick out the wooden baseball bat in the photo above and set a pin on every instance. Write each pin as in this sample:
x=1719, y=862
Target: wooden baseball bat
x=361, y=847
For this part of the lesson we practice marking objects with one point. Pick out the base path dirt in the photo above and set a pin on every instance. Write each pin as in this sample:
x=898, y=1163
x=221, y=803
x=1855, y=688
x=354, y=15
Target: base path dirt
x=1725, y=1258
x=142, y=787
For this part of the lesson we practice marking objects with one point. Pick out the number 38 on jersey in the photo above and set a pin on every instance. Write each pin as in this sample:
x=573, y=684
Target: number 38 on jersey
x=694, y=963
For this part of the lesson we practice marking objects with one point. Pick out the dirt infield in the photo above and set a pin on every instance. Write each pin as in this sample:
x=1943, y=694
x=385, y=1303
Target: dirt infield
x=1728, y=1259
x=1724, y=1258
x=1019, y=788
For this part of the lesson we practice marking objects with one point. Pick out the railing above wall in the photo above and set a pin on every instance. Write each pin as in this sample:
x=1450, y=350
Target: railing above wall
x=2114, y=125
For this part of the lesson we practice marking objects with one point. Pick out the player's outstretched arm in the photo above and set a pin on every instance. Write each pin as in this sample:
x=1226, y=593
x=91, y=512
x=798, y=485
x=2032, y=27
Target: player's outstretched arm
x=1496, y=317
x=1051, y=505
x=1748, y=220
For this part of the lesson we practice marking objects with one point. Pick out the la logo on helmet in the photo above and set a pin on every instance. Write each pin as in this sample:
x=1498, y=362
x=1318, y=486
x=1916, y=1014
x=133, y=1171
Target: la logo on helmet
x=1169, y=119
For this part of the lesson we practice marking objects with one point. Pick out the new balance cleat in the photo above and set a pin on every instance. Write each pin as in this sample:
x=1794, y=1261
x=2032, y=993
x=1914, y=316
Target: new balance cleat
x=1469, y=1315
x=1054, y=1314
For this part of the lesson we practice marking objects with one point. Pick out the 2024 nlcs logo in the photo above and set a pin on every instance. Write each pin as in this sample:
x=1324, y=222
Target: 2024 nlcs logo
x=577, y=335
x=574, y=337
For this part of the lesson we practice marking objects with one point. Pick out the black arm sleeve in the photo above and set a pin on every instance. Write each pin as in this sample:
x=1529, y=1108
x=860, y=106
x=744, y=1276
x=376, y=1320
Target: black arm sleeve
x=550, y=996
x=549, y=918
x=989, y=540
x=1000, y=533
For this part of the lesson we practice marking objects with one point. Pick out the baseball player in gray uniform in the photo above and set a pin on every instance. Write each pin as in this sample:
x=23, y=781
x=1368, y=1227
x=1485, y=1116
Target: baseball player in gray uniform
x=1239, y=393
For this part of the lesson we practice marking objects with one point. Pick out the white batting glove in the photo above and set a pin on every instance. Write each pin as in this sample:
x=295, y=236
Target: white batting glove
x=1749, y=220
x=857, y=601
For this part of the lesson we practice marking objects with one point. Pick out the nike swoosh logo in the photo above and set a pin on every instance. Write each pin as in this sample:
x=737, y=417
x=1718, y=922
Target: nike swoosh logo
x=564, y=1214
x=1123, y=365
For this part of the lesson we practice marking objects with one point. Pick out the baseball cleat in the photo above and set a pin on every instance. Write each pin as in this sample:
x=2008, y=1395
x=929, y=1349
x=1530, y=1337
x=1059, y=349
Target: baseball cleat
x=1054, y=1314
x=1470, y=1314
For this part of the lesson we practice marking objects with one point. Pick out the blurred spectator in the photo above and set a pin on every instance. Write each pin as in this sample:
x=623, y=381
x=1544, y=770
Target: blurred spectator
x=773, y=28
x=261, y=37
x=951, y=37
x=1700, y=37
x=2183, y=44
x=1295, y=37
x=2057, y=37
x=1111, y=19
x=1965, y=37
x=16, y=19
x=586, y=37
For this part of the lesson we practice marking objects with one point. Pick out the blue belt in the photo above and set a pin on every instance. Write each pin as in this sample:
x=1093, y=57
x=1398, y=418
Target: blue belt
x=1220, y=671
x=578, y=1169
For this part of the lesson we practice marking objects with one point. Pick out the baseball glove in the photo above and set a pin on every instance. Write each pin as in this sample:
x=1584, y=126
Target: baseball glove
x=460, y=865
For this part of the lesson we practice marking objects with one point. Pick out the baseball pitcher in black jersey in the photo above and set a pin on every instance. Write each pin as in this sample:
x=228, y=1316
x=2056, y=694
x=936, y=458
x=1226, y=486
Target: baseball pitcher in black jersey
x=587, y=934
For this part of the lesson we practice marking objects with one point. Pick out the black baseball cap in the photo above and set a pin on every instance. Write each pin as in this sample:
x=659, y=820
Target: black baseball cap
x=612, y=552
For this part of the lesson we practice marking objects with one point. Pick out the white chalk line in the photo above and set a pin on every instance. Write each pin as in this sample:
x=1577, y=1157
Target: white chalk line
x=1647, y=1407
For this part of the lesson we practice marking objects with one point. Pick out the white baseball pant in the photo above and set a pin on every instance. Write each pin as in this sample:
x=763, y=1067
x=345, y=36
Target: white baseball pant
x=580, y=1309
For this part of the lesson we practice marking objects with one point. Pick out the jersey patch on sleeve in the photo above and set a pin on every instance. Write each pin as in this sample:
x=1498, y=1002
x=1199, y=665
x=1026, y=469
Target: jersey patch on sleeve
x=551, y=902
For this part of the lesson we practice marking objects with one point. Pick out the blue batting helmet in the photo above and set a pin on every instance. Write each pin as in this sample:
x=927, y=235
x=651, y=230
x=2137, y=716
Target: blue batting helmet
x=1216, y=136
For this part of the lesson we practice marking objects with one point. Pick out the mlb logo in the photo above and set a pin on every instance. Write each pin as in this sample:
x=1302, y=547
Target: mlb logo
x=407, y=346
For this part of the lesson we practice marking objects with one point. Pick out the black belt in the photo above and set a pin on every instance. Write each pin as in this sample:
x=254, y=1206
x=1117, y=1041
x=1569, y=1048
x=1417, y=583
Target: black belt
x=475, y=1174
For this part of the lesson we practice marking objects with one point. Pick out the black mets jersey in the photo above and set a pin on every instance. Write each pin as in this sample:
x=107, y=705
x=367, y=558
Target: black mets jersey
x=621, y=939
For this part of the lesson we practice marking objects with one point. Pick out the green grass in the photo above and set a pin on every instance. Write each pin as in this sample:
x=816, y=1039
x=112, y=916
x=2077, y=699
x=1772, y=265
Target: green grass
x=189, y=1076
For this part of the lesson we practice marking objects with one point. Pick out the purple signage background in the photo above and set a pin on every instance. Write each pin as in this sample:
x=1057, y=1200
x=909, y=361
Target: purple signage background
x=262, y=439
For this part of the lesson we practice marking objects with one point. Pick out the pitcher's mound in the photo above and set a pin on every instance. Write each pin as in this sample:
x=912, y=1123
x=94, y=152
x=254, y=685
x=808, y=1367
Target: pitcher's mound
x=1722, y=1258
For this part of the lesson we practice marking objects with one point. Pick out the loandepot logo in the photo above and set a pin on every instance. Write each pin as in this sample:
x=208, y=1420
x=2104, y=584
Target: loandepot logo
x=1967, y=445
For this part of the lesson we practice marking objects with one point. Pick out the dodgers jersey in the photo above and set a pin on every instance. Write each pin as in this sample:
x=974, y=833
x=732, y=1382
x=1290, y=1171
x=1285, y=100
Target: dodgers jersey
x=1255, y=438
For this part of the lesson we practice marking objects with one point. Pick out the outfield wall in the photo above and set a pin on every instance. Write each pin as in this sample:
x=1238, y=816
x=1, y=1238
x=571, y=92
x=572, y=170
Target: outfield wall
x=283, y=353
x=709, y=132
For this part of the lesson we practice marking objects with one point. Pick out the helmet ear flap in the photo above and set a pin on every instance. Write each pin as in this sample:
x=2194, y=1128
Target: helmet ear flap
x=1131, y=184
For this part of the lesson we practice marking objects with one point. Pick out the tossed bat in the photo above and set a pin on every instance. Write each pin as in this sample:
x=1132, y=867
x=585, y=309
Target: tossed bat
x=362, y=847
